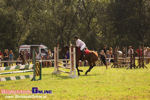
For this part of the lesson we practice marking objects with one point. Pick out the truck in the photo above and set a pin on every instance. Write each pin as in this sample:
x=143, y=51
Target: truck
x=41, y=50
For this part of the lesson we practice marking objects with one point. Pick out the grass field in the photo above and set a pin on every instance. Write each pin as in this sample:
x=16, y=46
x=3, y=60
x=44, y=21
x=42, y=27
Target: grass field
x=100, y=84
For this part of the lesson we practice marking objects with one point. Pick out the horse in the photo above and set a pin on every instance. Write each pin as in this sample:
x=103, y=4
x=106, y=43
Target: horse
x=90, y=56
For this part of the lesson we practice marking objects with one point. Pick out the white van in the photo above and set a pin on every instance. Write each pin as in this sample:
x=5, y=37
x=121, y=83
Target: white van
x=41, y=50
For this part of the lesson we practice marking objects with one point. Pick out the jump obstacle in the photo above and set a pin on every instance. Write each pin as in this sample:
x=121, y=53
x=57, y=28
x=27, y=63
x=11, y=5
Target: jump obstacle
x=71, y=66
x=35, y=68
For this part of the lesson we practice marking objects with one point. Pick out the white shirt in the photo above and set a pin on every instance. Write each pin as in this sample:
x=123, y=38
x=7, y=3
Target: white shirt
x=79, y=43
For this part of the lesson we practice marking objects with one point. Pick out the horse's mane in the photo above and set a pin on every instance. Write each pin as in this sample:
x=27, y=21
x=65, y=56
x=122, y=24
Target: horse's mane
x=94, y=52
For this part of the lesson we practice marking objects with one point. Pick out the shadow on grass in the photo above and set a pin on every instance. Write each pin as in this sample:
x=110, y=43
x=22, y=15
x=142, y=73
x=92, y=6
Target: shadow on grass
x=67, y=76
x=60, y=76
x=90, y=75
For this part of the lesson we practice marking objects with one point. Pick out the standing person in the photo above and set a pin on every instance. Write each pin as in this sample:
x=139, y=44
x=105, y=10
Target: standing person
x=81, y=45
x=67, y=56
x=145, y=51
x=111, y=54
x=26, y=55
x=22, y=57
x=11, y=56
x=1, y=57
x=130, y=51
x=139, y=51
x=105, y=49
x=6, y=57
x=148, y=55
x=124, y=52
x=49, y=55
x=145, y=54
x=103, y=57
x=108, y=56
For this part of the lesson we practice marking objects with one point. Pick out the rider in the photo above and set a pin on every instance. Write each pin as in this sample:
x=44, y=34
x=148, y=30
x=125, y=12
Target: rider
x=81, y=45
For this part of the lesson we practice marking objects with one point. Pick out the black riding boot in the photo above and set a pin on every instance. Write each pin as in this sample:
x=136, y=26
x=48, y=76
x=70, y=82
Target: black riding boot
x=82, y=55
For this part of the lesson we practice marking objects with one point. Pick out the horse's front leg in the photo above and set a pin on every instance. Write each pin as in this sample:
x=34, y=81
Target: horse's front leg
x=77, y=67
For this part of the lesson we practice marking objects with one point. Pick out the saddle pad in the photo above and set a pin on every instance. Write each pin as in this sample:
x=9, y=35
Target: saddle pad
x=87, y=51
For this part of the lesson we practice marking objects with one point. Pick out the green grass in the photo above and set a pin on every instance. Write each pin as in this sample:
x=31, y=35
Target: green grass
x=100, y=84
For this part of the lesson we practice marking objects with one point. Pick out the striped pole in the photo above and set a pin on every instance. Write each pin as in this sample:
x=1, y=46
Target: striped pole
x=16, y=77
x=17, y=67
x=24, y=71
x=37, y=68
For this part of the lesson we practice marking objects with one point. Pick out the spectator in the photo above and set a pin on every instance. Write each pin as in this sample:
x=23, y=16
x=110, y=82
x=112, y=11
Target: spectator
x=22, y=57
x=105, y=49
x=130, y=51
x=145, y=51
x=124, y=53
x=1, y=56
x=145, y=54
x=49, y=56
x=67, y=56
x=139, y=51
x=108, y=56
x=27, y=55
x=43, y=54
x=11, y=56
x=148, y=54
x=111, y=54
x=18, y=61
x=103, y=57
x=111, y=51
x=6, y=57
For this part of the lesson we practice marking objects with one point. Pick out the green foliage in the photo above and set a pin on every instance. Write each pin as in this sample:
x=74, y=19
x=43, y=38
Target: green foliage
x=97, y=22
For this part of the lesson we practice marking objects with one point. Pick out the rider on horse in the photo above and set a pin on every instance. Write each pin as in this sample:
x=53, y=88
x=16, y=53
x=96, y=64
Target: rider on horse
x=81, y=45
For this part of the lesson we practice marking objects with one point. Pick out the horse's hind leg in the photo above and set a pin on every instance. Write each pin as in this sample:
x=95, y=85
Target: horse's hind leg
x=89, y=69
x=77, y=67
x=78, y=70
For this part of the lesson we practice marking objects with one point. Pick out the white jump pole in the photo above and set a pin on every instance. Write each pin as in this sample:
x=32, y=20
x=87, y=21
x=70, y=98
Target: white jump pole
x=72, y=62
x=56, y=56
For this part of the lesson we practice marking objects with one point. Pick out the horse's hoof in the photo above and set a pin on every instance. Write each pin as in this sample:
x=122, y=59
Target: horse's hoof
x=86, y=74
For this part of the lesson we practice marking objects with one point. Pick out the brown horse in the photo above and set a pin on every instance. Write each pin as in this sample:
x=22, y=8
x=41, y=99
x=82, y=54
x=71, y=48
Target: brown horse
x=90, y=56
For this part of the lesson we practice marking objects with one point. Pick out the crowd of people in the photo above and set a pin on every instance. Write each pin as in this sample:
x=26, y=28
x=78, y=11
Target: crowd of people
x=105, y=54
x=7, y=55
